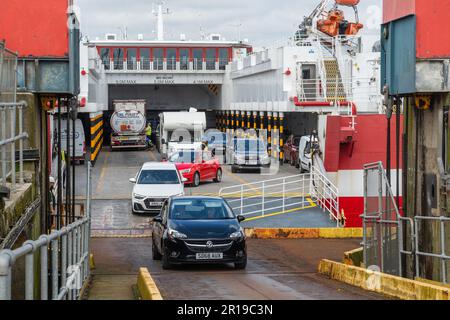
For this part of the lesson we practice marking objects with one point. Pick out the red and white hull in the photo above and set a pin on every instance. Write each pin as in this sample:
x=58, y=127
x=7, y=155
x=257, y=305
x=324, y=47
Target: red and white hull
x=346, y=151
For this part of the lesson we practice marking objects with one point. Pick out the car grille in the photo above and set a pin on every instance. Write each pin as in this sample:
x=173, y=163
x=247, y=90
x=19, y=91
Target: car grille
x=148, y=203
x=202, y=246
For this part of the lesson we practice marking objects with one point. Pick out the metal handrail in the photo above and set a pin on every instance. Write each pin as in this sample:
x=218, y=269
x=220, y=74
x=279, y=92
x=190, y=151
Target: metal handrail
x=69, y=261
x=242, y=198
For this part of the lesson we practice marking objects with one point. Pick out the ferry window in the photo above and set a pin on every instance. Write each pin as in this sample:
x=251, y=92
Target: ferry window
x=145, y=58
x=158, y=58
x=118, y=58
x=104, y=55
x=211, y=59
x=198, y=59
x=131, y=58
x=171, y=58
x=184, y=59
x=223, y=58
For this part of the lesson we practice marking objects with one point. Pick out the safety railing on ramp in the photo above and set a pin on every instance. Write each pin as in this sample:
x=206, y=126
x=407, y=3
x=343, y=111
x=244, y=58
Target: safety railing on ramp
x=56, y=265
x=284, y=195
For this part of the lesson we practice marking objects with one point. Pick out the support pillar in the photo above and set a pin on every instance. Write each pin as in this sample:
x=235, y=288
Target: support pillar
x=275, y=141
x=249, y=120
x=228, y=121
x=281, y=138
x=232, y=120
x=255, y=120
x=269, y=132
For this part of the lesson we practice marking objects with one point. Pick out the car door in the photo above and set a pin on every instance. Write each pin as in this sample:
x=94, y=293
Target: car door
x=208, y=166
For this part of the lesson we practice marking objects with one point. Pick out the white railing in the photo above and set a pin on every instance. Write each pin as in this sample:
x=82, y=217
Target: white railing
x=283, y=195
x=351, y=89
x=325, y=194
x=157, y=64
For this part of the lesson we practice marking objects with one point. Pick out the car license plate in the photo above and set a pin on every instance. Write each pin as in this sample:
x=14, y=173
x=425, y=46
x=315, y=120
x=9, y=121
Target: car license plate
x=209, y=256
x=156, y=204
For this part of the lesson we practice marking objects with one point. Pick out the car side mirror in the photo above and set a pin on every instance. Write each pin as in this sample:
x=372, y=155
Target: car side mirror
x=133, y=180
x=158, y=219
x=240, y=218
x=163, y=141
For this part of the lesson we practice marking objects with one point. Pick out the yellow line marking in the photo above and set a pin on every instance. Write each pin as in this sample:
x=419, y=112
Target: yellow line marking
x=102, y=174
x=280, y=213
x=311, y=202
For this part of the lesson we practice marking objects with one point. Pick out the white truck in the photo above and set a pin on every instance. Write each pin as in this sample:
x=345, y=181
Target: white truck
x=128, y=123
x=181, y=131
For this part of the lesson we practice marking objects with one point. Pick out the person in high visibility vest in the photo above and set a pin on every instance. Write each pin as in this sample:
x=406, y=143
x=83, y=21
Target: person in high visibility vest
x=148, y=133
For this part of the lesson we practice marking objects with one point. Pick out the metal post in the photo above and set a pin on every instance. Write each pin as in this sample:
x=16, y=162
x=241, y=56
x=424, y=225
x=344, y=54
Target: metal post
x=284, y=193
x=3, y=128
x=55, y=269
x=5, y=277
x=44, y=271
x=443, y=261
x=264, y=198
x=69, y=260
x=67, y=210
x=73, y=168
x=64, y=254
x=29, y=275
x=59, y=195
x=21, y=145
x=13, y=147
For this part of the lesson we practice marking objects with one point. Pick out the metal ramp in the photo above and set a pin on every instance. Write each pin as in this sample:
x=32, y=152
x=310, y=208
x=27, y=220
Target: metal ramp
x=296, y=201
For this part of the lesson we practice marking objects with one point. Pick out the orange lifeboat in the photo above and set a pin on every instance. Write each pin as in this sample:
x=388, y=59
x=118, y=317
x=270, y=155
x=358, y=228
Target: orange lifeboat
x=348, y=3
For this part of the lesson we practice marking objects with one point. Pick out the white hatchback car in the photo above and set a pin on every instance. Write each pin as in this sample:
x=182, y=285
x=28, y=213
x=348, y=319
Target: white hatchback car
x=154, y=184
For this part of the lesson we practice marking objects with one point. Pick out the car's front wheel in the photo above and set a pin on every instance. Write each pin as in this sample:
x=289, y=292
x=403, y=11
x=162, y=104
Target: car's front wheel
x=241, y=265
x=166, y=265
x=218, y=177
x=155, y=253
x=196, y=180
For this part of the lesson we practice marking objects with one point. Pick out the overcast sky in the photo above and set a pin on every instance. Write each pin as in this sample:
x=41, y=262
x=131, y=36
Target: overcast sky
x=263, y=22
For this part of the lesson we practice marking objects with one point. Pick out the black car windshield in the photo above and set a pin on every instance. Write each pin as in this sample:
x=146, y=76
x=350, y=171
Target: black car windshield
x=200, y=209
x=158, y=177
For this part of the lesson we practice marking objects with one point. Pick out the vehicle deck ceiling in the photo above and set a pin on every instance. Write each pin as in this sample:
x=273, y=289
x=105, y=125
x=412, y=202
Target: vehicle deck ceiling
x=167, y=97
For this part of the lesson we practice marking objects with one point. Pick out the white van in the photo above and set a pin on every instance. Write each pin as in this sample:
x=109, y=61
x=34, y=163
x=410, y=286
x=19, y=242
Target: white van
x=80, y=141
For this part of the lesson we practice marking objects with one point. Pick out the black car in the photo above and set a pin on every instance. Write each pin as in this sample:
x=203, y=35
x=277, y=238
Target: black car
x=198, y=230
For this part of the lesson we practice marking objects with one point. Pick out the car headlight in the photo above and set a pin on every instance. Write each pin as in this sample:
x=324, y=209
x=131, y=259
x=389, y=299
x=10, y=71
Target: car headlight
x=237, y=235
x=174, y=234
x=185, y=171
x=138, y=196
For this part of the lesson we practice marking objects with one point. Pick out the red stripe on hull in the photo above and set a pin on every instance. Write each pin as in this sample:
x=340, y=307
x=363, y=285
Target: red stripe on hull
x=353, y=208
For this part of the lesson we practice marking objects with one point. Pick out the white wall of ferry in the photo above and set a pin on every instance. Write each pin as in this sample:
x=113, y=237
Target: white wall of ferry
x=269, y=79
x=93, y=86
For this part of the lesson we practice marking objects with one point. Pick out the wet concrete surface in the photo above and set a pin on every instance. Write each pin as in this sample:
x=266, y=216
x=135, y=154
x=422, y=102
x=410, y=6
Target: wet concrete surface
x=277, y=269
x=111, y=195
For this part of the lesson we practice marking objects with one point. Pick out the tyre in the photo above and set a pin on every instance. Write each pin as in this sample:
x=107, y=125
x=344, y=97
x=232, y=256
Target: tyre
x=241, y=265
x=196, y=180
x=234, y=169
x=166, y=265
x=218, y=177
x=155, y=253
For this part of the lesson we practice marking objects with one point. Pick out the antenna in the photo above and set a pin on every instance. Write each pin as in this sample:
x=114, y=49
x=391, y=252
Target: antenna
x=238, y=29
x=159, y=13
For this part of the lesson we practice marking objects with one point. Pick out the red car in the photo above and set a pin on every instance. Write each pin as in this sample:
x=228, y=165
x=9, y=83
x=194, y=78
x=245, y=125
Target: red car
x=291, y=150
x=197, y=166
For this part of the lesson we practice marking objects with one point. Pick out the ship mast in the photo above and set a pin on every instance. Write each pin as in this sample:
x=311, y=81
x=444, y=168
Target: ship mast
x=160, y=20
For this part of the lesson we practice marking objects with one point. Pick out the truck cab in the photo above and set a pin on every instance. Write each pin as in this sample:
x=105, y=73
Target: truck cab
x=181, y=131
